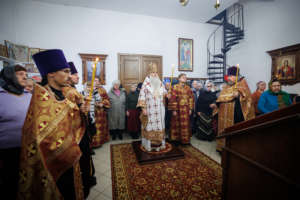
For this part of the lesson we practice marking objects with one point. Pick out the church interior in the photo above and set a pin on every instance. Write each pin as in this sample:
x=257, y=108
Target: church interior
x=251, y=156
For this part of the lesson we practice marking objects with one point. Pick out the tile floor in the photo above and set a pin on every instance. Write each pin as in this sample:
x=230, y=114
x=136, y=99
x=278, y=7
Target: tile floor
x=103, y=189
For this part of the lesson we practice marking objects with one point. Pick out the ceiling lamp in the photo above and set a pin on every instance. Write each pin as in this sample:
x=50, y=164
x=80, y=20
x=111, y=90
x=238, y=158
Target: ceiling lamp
x=217, y=5
x=183, y=2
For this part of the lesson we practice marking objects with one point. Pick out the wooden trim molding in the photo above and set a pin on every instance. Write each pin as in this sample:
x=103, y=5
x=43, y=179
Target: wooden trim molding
x=92, y=57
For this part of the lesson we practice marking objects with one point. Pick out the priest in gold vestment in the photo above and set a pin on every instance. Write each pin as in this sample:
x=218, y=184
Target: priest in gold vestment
x=181, y=103
x=81, y=124
x=235, y=103
x=50, y=152
x=101, y=122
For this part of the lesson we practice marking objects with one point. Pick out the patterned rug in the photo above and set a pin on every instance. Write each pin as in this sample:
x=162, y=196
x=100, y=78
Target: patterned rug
x=194, y=177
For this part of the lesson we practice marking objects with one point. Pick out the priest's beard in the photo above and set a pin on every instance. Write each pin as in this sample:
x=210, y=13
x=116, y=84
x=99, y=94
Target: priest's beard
x=155, y=84
x=230, y=82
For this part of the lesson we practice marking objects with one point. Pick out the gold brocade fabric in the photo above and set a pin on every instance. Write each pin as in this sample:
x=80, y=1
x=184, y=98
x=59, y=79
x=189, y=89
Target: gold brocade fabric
x=48, y=146
x=78, y=123
x=101, y=121
x=226, y=108
x=182, y=101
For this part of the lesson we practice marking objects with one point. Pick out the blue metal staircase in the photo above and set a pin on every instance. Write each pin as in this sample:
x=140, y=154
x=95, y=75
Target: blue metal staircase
x=230, y=32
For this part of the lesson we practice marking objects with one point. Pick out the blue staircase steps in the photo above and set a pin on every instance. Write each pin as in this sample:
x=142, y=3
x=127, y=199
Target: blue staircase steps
x=218, y=56
x=216, y=62
x=209, y=68
x=214, y=78
x=231, y=44
x=235, y=35
x=233, y=40
x=225, y=50
x=231, y=23
x=212, y=73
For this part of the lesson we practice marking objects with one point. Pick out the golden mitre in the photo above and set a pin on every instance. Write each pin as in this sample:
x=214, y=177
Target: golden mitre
x=152, y=68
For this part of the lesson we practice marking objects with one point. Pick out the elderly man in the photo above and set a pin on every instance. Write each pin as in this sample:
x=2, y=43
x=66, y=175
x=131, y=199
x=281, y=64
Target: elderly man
x=153, y=111
x=274, y=98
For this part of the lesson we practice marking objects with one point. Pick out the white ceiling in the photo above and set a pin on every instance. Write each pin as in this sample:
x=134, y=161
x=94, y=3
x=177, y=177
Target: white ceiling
x=195, y=10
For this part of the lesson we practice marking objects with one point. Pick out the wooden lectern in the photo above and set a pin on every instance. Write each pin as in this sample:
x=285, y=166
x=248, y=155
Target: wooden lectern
x=261, y=157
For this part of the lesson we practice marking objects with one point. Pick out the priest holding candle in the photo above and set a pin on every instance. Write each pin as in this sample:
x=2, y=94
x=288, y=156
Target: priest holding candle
x=50, y=151
x=235, y=103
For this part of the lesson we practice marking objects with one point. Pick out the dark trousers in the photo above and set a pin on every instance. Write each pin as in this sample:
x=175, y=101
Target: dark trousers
x=9, y=172
x=116, y=132
x=86, y=165
x=65, y=184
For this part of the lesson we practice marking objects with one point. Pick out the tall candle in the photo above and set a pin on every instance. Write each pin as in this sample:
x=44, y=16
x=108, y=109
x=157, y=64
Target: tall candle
x=173, y=67
x=237, y=74
x=93, y=78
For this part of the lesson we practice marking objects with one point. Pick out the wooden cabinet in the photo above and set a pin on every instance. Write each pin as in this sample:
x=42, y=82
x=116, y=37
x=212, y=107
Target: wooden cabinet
x=260, y=159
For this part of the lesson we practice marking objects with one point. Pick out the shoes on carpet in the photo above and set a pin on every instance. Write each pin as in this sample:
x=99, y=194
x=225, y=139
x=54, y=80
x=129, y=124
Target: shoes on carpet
x=120, y=136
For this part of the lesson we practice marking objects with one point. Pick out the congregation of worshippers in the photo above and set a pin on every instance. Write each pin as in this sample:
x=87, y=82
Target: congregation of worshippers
x=85, y=123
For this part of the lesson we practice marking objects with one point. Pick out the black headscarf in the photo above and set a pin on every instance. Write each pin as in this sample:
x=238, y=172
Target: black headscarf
x=9, y=81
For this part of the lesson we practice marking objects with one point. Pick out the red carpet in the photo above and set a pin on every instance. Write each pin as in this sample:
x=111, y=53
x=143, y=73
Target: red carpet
x=194, y=177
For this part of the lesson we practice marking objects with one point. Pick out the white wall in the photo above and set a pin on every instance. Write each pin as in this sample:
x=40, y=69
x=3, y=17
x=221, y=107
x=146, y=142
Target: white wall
x=83, y=30
x=268, y=25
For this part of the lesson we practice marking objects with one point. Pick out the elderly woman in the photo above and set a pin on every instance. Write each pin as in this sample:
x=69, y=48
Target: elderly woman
x=260, y=88
x=204, y=108
x=14, y=103
x=29, y=85
x=133, y=126
x=274, y=98
x=116, y=113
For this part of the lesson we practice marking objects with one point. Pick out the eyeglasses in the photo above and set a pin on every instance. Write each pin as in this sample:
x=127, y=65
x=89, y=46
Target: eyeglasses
x=208, y=86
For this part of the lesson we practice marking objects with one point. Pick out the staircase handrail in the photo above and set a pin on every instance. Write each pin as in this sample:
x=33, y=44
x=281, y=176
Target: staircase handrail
x=210, y=36
x=235, y=12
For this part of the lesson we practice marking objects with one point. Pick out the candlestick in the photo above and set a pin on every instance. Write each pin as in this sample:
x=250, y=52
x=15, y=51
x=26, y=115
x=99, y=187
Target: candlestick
x=93, y=78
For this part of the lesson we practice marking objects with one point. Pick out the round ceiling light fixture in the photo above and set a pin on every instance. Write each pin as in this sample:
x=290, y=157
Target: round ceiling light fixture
x=183, y=2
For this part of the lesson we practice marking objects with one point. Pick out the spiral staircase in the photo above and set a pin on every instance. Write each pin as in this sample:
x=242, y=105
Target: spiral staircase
x=230, y=32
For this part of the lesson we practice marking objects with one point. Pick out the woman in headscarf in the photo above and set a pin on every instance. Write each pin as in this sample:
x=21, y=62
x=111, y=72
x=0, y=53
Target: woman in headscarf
x=261, y=86
x=116, y=113
x=204, y=108
x=14, y=103
x=132, y=112
x=274, y=98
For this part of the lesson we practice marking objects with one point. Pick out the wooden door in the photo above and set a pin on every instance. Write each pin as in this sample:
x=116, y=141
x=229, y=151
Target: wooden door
x=129, y=71
x=133, y=68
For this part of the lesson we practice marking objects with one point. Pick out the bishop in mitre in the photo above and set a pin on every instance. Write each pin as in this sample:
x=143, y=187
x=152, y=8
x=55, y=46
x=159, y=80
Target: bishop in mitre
x=151, y=101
